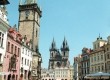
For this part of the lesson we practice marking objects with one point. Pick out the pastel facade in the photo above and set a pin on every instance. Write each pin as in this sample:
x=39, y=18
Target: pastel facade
x=97, y=56
x=85, y=62
x=57, y=74
x=26, y=58
x=107, y=55
x=11, y=63
x=47, y=74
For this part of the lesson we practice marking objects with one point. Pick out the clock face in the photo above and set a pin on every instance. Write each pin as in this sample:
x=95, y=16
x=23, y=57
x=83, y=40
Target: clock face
x=27, y=13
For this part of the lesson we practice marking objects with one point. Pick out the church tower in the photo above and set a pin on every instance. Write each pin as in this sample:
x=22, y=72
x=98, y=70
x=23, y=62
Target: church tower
x=29, y=21
x=65, y=53
x=65, y=49
x=53, y=52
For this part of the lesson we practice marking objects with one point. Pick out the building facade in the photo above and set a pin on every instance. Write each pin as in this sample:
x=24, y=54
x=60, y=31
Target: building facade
x=26, y=58
x=107, y=55
x=97, y=56
x=85, y=62
x=47, y=74
x=3, y=36
x=29, y=25
x=11, y=63
x=77, y=68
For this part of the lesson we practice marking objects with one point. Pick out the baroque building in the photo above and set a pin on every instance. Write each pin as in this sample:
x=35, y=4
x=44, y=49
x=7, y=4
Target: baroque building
x=29, y=25
x=11, y=62
x=85, y=62
x=97, y=56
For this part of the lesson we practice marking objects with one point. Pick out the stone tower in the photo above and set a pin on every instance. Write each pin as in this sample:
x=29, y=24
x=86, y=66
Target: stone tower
x=29, y=26
x=29, y=21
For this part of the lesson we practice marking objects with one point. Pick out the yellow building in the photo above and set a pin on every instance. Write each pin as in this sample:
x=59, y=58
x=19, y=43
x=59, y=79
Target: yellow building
x=97, y=56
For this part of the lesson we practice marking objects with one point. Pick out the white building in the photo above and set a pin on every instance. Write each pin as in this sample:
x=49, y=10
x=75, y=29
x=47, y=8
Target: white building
x=3, y=37
x=26, y=58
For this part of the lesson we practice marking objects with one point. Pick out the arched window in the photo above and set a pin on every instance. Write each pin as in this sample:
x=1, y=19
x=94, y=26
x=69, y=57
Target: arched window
x=64, y=53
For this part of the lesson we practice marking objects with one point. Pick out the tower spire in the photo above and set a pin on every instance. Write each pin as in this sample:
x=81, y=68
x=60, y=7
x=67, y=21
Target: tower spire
x=65, y=44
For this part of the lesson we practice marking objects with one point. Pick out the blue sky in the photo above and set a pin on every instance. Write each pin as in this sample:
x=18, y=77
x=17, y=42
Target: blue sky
x=80, y=21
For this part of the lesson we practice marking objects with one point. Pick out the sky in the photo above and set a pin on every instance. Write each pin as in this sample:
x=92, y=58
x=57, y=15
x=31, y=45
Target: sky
x=79, y=21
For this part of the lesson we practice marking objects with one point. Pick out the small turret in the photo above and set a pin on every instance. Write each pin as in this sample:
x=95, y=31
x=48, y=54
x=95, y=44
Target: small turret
x=99, y=42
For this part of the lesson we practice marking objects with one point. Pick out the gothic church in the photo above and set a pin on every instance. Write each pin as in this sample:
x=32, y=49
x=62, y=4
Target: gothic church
x=59, y=59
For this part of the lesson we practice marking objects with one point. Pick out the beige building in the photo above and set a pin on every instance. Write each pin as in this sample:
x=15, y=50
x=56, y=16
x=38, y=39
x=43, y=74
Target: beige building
x=57, y=74
x=97, y=56
x=107, y=55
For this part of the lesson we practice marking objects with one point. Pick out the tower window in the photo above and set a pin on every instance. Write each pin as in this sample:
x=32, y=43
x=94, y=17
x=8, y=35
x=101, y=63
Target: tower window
x=36, y=32
x=27, y=13
x=64, y=53
x=8, y=47
x=52, y=54
x=12, y=48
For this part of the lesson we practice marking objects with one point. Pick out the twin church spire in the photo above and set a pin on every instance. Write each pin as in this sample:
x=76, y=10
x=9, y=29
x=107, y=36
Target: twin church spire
x=59, y=58
x=64, y=45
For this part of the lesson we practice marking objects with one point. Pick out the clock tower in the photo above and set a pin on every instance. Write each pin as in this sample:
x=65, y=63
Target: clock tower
x=29, y=26
x=29, y=21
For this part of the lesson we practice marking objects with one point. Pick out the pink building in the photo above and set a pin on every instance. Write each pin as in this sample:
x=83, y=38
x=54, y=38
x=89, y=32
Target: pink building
x=11, y=64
